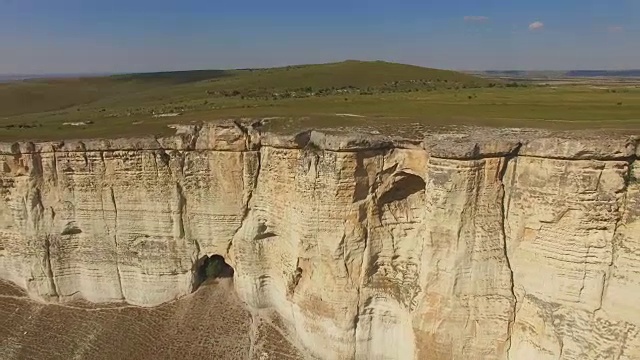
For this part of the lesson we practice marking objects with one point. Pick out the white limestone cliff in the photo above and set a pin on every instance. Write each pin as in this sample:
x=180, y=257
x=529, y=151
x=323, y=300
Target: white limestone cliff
x=482, y=245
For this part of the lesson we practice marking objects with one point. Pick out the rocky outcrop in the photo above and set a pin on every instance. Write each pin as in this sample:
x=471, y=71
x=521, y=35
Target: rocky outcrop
x=480, y=244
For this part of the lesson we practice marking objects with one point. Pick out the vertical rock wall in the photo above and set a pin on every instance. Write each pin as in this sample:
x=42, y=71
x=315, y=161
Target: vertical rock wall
x=447, y=248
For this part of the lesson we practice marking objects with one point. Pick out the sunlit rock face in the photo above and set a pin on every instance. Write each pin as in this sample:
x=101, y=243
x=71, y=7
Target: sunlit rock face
x=466, y=245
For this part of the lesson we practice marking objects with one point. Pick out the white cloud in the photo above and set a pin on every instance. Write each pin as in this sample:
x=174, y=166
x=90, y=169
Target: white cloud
x=537, y=25
x=616, y=29
x=476, y=18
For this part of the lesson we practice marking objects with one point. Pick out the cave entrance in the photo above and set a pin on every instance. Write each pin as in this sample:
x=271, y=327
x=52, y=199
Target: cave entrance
x=209, y=268
x=403, y=186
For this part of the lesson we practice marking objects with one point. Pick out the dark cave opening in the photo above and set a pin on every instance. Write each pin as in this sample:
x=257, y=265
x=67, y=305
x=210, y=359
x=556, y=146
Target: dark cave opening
x=209, y=268
x=404, y=186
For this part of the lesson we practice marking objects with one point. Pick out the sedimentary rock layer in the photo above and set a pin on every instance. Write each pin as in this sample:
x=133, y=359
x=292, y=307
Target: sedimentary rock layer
x=459, y=245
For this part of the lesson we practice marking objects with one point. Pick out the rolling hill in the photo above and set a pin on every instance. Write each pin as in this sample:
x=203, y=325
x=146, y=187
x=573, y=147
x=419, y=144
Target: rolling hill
x=36, y=95
x=300, y=96
x=342, y=74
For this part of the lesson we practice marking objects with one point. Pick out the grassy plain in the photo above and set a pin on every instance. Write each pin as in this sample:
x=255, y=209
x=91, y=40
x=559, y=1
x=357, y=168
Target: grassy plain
x=327, y=95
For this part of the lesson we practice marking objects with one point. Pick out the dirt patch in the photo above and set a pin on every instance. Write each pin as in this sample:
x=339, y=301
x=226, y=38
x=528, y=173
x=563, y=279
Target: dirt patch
x=211, y=323
x=8, y=289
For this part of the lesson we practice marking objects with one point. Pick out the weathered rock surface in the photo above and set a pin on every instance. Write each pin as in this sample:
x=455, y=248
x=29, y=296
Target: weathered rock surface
x=461, y=245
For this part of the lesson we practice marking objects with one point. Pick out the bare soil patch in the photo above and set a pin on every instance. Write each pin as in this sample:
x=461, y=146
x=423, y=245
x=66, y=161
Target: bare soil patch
x=211, y=323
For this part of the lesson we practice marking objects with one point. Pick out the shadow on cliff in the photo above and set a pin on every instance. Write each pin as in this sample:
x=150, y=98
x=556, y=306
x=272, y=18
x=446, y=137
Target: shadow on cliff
x=210, y=268
x=404, y=186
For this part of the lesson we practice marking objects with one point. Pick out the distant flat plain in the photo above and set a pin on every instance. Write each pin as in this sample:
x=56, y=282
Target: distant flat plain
x=346, y=94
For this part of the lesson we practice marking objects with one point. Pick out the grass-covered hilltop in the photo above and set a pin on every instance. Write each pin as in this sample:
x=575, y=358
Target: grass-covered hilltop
x=350, y=93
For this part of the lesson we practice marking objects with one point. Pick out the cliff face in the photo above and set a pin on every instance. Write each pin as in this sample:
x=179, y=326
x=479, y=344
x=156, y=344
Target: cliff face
x=457, y=246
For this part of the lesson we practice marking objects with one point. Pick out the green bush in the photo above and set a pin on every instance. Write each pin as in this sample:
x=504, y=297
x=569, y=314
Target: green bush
x=214, y=268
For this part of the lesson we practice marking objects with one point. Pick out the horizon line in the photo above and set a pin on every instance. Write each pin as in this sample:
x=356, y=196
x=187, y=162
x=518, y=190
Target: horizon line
x=49, y=75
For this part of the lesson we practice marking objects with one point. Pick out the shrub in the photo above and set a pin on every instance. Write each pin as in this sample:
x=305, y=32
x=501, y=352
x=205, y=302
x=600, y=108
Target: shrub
x=634, y=178
x=214, y=268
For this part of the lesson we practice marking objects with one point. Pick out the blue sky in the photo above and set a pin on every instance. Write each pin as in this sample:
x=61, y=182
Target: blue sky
x=77, y=36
